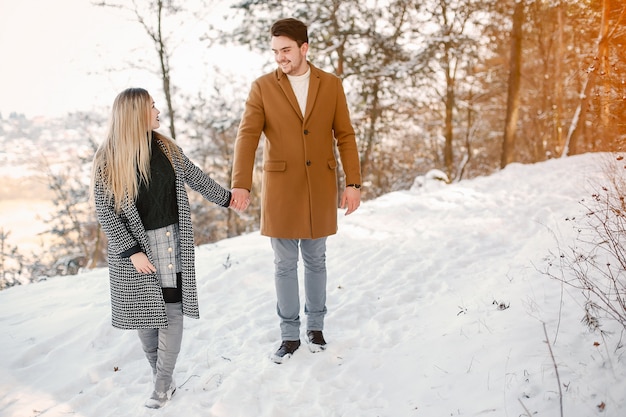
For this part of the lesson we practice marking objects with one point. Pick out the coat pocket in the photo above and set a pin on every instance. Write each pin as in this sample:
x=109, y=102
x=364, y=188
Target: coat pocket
x=276, y=166
x=332, y=163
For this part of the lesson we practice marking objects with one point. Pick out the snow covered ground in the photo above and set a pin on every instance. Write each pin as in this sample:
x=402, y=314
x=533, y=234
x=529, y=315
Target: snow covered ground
x=436, y=307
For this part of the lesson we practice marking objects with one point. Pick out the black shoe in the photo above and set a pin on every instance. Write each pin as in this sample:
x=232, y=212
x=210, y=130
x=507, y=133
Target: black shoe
x=286, y=349
x=316, y=340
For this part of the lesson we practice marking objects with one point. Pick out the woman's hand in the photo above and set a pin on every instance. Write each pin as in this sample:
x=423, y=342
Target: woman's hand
x=142, y=263
x=240, y=199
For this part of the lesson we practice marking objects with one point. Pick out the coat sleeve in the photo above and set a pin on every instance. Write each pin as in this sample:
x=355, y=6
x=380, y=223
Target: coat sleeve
x=346, y=140
x=203, y=184
x=248, y=136
x=115, y=227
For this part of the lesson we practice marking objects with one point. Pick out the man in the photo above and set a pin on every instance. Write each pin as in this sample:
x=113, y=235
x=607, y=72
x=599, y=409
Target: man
x=302, y=111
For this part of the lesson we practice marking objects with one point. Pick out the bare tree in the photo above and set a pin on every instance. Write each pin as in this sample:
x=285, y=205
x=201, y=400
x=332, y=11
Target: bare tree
x=212, y=124
x=599, y=68
x=77, y=239
x=452, y=45
x=151, y=16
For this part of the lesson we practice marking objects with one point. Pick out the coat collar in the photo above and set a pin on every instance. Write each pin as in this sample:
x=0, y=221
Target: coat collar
x=314, y=84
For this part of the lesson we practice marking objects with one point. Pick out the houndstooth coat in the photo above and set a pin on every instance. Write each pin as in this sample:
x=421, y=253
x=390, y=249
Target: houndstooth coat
x=137, y=299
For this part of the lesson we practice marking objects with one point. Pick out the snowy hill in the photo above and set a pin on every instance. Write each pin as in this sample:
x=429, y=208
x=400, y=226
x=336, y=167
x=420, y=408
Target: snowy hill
x=436, y=306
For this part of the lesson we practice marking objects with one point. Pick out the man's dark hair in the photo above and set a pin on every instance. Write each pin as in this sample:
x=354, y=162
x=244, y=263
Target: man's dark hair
x=291, y=28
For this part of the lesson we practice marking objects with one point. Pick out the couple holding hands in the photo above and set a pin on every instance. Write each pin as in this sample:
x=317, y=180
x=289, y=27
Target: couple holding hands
x=139, y=183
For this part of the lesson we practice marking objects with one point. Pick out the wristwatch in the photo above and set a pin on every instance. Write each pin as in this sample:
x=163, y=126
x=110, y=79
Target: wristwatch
x=355, y=186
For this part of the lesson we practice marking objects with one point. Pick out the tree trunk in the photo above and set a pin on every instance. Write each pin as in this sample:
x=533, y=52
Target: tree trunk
x=577, y=120
x=603, y=56
x=165, y=66
x=370, y=134
x=448, y=152
x=513, y=99
x=557, y=114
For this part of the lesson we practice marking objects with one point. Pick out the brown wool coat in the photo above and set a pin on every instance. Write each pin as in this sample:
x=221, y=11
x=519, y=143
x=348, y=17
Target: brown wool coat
x=299, y=188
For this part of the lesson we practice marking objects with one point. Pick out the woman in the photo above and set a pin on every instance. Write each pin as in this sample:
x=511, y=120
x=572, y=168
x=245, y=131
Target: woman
x=138, y=187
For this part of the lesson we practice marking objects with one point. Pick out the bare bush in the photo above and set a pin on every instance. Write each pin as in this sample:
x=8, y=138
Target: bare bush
x=11, y=262
x=596, y=263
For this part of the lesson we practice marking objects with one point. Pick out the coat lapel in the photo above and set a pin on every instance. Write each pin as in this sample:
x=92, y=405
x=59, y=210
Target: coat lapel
x=314, y=86
x=285, y=85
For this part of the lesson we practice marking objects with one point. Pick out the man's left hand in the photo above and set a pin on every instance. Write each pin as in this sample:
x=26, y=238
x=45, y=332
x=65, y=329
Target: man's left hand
x=351, y=198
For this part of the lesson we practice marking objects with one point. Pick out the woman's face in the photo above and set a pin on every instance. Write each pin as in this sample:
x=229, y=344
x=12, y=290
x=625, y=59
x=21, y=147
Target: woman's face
x=154, y=116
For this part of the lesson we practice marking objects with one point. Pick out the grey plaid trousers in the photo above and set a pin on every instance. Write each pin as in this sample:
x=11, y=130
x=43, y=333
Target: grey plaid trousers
x=165, y=245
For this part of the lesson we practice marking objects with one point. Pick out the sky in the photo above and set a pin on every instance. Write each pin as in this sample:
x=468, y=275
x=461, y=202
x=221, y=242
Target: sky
x=67, y=55
x=53, y=51
x=438, y=305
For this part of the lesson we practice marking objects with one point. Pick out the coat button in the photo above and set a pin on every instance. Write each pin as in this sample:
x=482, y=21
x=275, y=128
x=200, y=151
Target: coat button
x=306, y=131
x=170, y=266
x=170, y=250
x=308, y=163
x=167, y=233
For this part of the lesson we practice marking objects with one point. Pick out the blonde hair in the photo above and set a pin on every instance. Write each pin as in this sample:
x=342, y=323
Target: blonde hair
x=122, y=161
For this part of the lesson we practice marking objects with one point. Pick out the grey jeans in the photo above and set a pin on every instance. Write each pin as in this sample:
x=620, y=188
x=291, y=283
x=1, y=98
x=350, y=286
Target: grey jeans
x=162, y=346
x=287, y=290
